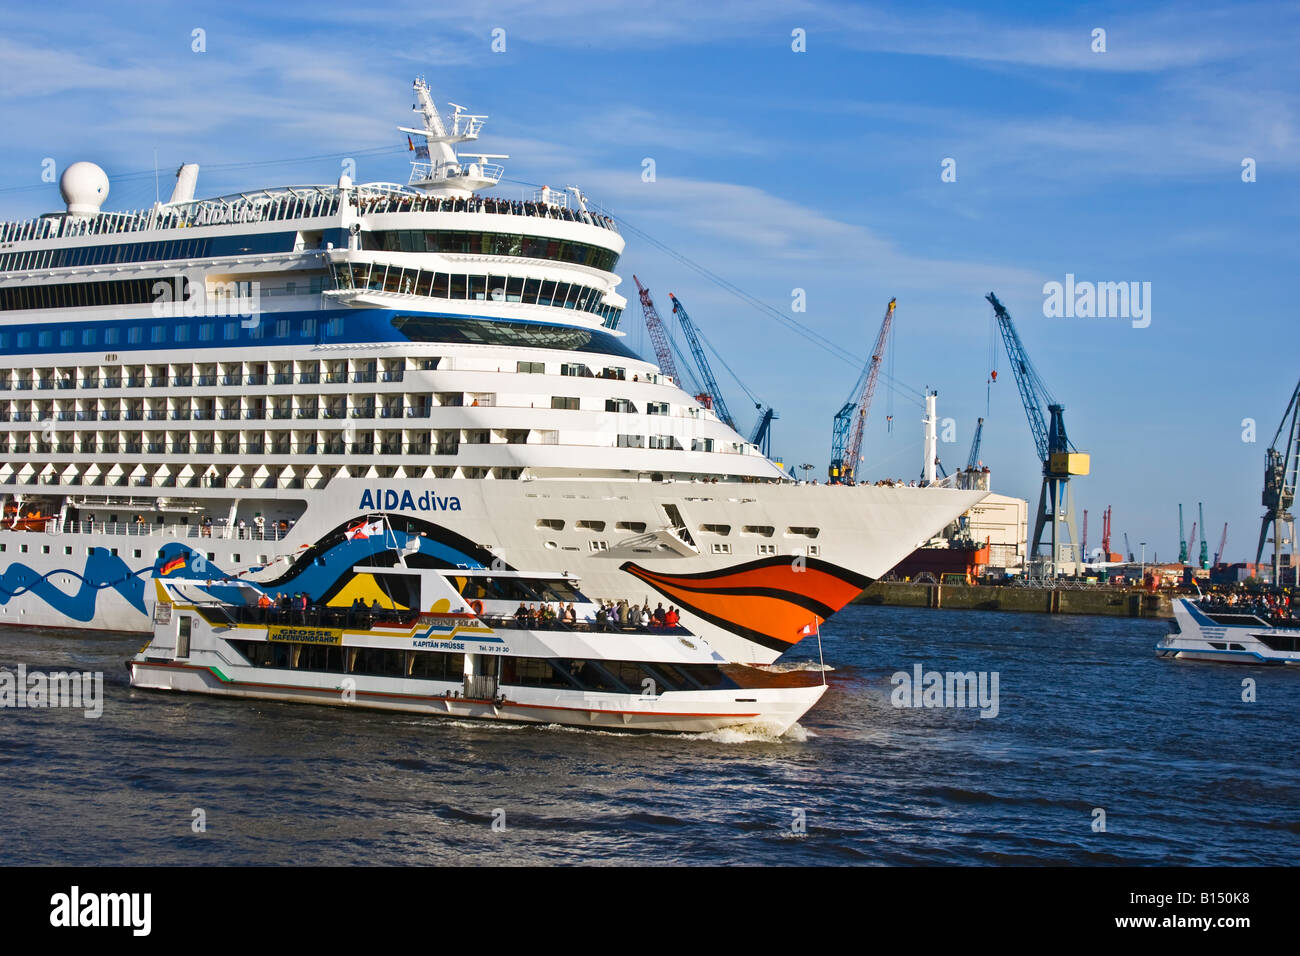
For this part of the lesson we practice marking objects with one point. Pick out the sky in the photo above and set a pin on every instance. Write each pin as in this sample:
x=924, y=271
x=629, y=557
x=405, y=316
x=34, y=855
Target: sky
x=854, y=151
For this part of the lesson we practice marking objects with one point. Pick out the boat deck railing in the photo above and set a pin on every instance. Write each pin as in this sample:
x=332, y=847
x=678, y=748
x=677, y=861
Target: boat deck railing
x=287, y=203
x=366, y=619
x=147, y=530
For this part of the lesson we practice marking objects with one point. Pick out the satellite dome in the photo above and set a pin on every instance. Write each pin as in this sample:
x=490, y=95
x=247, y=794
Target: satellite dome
x=84, y=187
x=345, y=181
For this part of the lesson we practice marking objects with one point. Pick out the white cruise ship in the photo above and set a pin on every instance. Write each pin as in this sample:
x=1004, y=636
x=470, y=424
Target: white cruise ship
x=282, y=385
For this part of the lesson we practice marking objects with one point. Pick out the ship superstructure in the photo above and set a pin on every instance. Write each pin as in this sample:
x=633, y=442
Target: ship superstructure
x=247, y=376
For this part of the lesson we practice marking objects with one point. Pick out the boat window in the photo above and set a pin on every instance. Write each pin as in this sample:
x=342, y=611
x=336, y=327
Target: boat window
x=462, y=330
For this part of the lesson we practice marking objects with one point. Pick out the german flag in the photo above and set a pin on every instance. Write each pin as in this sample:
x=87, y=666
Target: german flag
x=174, y=564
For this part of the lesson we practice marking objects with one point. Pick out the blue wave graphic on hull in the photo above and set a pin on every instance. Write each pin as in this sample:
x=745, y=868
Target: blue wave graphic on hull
x=103, y=570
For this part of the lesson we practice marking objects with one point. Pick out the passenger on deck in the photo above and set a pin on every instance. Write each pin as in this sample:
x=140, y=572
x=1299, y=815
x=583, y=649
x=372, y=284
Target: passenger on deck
x=660, y=614
x=570, y=615
x=672, y=617
x=521, y=615
x=623, y=612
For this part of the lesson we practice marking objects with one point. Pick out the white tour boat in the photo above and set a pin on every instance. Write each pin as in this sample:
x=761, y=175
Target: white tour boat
x=1236, y=634
x=447, y=643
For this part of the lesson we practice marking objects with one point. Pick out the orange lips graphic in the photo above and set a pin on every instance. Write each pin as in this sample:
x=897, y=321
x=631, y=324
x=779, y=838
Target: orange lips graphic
x=769, y=601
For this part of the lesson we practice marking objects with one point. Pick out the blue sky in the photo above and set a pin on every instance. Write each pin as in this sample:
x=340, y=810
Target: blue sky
x=818, y=170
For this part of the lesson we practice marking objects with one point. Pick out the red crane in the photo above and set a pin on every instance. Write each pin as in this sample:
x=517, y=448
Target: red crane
x=658, y=335
x=1105, y=534
x=1223, y=543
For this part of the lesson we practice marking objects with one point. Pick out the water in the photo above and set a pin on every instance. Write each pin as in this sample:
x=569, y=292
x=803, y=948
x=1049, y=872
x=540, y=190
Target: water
x=1186, y=772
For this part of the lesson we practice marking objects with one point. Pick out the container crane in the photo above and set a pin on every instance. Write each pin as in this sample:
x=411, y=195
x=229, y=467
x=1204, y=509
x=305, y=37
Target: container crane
x=1129, y=548
x=1105, y=535
x=1192, y=539
x=1205, y=549
x=658, y=334
x=1083, y=541
x=1280, y=468
x=1059, y=457
x=851, y=420
x=1223, y=543
x=712, y=395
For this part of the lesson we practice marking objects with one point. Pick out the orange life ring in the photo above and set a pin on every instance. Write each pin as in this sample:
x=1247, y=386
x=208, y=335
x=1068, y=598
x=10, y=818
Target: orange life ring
x=477, y=608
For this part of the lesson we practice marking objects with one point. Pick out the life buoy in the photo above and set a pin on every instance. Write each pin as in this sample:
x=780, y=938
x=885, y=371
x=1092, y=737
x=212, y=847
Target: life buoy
x=477, y=608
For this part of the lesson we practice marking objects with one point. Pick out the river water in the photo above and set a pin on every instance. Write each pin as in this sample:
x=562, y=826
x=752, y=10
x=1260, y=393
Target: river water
x=1091, y=729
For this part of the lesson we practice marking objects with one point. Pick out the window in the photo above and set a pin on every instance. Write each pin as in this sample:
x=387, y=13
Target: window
x=589, y=525
x=701, y=444
x=720, y=547
x=762, y=530
x=656, y=408
x=767, y=549
x=554, y=524
x=562, y=402
x=183, y=636
x=575, y=368
x=799, y=532
x=636, y=527
x=536, y=368
x=631, y=441
x=619, y=405
x=722, y=529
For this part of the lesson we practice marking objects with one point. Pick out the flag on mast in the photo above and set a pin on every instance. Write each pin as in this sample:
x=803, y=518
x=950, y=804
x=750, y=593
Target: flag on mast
x=364, y=529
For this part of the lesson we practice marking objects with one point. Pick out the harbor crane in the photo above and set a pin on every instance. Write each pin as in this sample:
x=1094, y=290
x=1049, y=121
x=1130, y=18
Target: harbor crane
x=658, y=334
x=973, y=460
x=851, y=420
x=1205, y=549
x=1182, y=540
x=762, y=433
x=1223, y=543
x=1083, y=541
x=1128, y=548
x=1060, y=458
x=1192, y=539
x=1105, y=534
x=1280, y=467
x=711, y=397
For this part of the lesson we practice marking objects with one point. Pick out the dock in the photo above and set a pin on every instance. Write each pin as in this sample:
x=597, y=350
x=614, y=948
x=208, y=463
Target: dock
x=1103, y=600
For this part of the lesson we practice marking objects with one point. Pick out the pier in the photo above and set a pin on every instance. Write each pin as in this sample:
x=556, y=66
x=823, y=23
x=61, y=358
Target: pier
x=1103, y=600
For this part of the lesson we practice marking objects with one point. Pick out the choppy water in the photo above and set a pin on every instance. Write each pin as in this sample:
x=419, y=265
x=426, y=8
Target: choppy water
x=1185, y=771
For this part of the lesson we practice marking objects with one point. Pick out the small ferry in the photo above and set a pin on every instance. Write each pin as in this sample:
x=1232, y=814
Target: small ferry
x=1239, y=634
x=458, y=642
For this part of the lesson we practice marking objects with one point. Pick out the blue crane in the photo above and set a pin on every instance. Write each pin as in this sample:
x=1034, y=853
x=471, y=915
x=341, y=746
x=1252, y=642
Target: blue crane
x=1059, y=457
x=762, y=433
x=712, y=395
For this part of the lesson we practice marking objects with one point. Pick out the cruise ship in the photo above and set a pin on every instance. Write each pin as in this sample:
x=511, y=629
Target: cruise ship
x=281, y=385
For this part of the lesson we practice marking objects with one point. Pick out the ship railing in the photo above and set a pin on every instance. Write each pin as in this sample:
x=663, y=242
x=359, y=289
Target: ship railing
x=179, y=531
x=297, y=202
